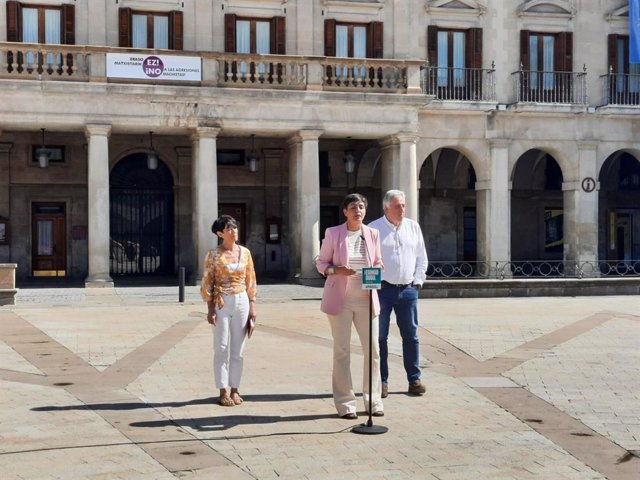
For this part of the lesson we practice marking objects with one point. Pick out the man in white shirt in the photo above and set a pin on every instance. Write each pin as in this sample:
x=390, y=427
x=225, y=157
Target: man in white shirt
x=405, y=270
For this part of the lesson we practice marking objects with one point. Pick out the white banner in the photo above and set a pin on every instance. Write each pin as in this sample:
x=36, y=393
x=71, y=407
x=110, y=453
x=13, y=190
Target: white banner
x=154, y=67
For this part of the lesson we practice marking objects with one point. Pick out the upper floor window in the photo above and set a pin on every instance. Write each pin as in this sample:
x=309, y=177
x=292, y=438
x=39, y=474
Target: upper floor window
x=455, y=59
x=351, y=40
x=625, y=76
x=546, y=53
x=255, y=35
x=547, y=65
x=40, y=24
x=453, y=51
x=142, y=29
x=358, y=40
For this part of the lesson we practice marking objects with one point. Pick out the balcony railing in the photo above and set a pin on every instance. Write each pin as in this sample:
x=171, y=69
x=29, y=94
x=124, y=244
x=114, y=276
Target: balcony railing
x=37, y=61
x=461, y=84
x=533, y=269
x=621, y=89
x=88, y=63
x=550, y=87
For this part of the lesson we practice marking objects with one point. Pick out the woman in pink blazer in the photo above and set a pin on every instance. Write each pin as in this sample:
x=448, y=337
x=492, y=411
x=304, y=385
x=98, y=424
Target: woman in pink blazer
x=345, y=250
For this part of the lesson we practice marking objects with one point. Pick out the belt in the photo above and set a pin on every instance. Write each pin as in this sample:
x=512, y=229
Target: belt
x=397, y=285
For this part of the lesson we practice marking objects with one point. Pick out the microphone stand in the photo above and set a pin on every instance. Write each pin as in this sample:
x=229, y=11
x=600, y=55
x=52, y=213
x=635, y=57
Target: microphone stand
x=369, y=428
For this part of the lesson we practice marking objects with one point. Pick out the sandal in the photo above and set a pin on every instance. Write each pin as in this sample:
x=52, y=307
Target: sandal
x=236, y=398
x=226, y=401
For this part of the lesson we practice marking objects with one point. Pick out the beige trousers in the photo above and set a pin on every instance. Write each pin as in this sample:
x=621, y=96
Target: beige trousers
x=356, y=312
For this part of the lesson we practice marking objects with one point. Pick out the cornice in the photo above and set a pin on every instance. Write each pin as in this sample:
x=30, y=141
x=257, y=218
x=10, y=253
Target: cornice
x=565, y=9
x=346, y=6
x=455, y=8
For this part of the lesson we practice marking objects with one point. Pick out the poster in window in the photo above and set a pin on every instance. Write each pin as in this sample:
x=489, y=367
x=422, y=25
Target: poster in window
x=553, y=231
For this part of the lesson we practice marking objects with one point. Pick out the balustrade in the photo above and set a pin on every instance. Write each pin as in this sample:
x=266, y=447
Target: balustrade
x=86, y=63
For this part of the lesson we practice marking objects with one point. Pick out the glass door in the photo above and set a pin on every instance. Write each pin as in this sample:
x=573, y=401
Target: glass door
x=49, y=240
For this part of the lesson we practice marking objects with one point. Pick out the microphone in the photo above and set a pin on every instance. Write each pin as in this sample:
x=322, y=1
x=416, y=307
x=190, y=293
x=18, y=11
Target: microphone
x=366, y=249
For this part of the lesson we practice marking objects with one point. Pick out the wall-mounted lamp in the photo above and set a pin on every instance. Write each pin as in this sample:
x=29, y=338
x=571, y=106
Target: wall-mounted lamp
x=349, y=161
x=152, y=156
x=42, y=153
x=253, y=157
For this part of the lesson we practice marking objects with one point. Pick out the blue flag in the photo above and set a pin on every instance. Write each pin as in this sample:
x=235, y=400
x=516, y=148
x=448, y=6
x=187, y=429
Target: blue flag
x=634, y=31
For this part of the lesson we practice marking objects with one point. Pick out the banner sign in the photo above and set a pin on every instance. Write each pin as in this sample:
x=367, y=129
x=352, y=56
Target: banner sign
x=154, y=67
x=634, y=31
x=372, y=278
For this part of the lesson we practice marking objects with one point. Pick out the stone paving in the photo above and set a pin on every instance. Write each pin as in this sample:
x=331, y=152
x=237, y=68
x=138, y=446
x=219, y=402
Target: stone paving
x=118, y=384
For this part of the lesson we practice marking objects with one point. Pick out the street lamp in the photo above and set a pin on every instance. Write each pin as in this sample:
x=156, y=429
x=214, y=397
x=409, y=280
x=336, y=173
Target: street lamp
x=252, y=158
x=152, y=156
x=42, y=154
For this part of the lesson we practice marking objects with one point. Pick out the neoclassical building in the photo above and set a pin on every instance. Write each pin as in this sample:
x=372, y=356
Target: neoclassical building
x=127, y=127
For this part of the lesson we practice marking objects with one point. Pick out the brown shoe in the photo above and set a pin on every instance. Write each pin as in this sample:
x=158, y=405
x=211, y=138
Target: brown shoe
x=385, y=390
x=416, y=388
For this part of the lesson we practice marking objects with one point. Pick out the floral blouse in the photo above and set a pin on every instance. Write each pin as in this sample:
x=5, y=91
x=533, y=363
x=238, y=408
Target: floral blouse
x=221, y=277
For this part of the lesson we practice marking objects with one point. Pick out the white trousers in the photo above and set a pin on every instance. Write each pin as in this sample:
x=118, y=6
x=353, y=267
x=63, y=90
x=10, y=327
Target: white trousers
x=356, y=312
x=229, y=335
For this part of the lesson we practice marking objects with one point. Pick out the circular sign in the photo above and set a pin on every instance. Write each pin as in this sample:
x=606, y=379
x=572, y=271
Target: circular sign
x=152, y=67
x=588, y=184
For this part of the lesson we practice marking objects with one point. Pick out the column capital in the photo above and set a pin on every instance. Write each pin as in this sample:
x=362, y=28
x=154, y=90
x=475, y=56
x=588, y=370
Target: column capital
x=205, y=132
x=499, y=142
x=397, y=139
x=586, y=185
x=587, y=144
x=305, y=135
x=101, y=129
x=489, y=185
x=5, y=147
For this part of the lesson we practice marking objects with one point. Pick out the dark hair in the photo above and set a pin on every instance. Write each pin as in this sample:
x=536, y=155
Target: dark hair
x=353, y=197
x=222, y=222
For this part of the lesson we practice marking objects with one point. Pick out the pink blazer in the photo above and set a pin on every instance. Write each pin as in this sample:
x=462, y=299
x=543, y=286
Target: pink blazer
x=334, y=251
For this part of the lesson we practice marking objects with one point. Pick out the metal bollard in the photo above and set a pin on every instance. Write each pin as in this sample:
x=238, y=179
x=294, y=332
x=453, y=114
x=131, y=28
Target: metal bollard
x=181, y=284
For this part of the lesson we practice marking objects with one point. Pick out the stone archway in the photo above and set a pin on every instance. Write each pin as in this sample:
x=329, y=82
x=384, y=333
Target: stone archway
x=537, y=208
x=141, y=218
x=619, y=209
x=448, y=201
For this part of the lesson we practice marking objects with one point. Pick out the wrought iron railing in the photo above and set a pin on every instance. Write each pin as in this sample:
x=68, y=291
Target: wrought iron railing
x=621, y=89
x=550, y=87
x=533, y=269
x=462, y=84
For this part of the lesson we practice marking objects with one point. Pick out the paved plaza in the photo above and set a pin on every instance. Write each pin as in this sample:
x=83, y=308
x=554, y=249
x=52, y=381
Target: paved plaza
x=118, y=384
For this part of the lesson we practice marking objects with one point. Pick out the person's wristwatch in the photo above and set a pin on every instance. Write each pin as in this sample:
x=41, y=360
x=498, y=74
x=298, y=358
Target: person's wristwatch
x=330, y=271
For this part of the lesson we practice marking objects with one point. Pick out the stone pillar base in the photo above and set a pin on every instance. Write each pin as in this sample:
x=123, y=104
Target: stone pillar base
x=8, y=296
x=98, y=283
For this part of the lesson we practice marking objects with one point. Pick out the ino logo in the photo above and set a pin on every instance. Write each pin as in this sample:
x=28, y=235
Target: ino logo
x=152, y=67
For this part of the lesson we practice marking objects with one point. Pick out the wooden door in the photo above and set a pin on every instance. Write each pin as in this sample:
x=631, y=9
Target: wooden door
x=49, y=240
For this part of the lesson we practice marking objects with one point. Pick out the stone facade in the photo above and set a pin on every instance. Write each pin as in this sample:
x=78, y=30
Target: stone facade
x=492, y=174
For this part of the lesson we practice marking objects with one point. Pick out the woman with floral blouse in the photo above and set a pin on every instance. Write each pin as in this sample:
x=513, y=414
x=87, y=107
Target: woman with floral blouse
x=229, y=288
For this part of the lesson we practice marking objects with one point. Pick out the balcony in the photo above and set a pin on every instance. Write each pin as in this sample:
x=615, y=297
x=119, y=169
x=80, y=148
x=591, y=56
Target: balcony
x=621, y=89
x=88, y=64
x=552, y=88
x=459, y=84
